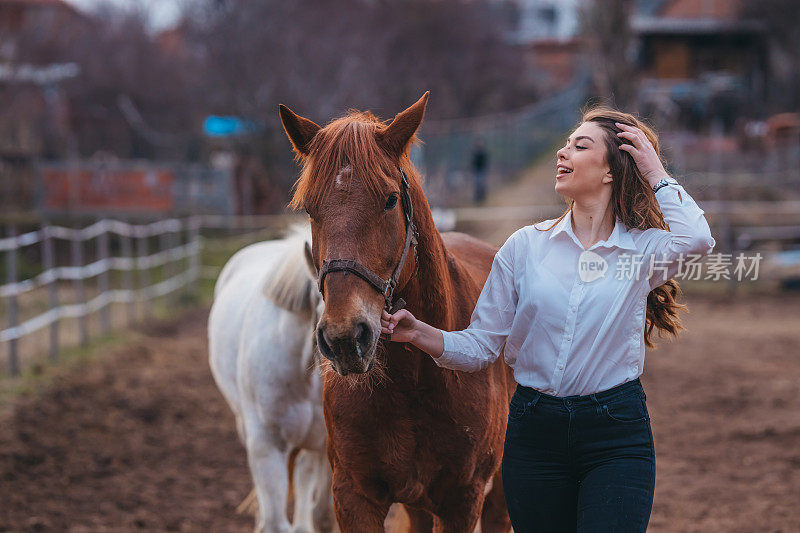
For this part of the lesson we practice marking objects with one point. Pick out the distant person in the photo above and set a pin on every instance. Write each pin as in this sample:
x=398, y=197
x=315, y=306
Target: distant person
x=572, y=314
x=480, y=160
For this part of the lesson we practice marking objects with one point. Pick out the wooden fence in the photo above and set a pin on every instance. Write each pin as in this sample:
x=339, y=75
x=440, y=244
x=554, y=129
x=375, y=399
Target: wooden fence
x=178, y=241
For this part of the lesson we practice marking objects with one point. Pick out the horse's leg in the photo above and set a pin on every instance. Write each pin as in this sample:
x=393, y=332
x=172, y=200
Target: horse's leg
x=355, y=513
x=494, y=518
x=304, y=485
x=462, y=511
x=421, y=520
x=268, y=458
x=323, y=513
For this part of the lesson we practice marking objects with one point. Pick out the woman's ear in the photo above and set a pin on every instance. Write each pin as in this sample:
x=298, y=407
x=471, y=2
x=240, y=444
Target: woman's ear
x=607, y=177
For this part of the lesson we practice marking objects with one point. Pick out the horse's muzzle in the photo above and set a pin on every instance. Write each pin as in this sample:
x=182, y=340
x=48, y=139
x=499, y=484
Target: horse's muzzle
x=350, y=352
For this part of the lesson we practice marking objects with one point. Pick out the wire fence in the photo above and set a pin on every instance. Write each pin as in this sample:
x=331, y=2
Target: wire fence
x=510, y=140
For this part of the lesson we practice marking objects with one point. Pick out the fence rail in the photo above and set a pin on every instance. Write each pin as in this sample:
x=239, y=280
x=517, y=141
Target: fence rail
x=169, y=255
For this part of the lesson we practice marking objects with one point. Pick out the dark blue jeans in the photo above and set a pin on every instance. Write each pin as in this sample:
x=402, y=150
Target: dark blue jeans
x=579, y=463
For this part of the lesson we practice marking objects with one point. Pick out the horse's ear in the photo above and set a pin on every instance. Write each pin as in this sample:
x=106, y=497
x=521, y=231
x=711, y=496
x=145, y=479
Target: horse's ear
x=396, y=136
x=310, y=261
x=299, y=130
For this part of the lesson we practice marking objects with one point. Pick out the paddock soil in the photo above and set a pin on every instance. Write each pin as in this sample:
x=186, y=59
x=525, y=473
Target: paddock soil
x=140, y=439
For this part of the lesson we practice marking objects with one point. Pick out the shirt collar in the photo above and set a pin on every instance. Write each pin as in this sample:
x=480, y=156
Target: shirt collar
x=620, y=237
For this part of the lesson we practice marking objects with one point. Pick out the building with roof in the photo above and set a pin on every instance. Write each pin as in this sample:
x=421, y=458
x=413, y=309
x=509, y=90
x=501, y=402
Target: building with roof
x=699, y=60
x=34, y=113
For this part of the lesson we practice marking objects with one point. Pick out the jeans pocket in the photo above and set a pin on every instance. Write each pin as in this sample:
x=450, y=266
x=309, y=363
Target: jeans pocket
x=626, y=410
x=520, y=406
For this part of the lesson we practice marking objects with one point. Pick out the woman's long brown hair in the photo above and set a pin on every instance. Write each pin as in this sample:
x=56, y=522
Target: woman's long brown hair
x=634, y=202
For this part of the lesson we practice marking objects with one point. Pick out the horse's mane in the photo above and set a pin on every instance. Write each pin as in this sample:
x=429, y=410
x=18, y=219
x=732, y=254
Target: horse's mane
x=348, y=141
x=292, y=286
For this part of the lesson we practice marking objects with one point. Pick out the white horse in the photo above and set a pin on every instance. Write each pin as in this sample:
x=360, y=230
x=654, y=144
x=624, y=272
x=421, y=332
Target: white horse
x=262, y=355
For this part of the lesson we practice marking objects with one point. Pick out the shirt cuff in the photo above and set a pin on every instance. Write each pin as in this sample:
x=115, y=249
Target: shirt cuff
x=448, y=354
x=675, y=194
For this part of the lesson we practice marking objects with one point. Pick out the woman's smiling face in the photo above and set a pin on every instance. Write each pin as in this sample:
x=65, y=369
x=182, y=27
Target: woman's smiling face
x=582, y=170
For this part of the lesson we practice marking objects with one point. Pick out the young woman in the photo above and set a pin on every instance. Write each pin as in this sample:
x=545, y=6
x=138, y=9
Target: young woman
x=574, y=301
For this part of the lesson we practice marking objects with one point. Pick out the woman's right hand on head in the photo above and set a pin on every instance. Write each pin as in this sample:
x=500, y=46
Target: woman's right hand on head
x=401, y=325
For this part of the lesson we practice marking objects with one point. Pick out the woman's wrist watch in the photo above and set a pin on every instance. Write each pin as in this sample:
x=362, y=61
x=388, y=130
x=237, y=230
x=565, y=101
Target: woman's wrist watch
x=664, y=182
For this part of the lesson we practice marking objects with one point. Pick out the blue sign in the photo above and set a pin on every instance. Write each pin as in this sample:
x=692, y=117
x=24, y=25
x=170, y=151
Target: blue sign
x=219, y=126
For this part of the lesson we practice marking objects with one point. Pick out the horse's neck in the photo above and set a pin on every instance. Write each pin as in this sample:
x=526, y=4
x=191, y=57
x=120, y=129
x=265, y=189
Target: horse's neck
x=426, y=291
x=426, y=296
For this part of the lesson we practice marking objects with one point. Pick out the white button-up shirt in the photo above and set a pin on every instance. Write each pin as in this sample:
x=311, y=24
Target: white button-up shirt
x=572, y=320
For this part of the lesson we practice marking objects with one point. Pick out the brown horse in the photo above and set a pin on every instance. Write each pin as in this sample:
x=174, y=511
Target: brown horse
x=406, y=430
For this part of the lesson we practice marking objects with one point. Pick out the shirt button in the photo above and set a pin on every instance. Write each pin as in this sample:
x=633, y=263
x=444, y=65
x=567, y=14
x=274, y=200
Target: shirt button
x=560, y=367
x=569, y=338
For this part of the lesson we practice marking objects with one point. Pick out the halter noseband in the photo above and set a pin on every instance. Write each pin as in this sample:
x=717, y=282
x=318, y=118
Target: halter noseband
x=384, y=287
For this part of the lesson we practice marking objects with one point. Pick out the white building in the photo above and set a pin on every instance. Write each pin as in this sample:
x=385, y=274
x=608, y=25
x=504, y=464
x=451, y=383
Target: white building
x=545, y=20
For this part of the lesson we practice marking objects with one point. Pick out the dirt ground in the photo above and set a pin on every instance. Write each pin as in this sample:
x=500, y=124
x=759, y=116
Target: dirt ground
x=139, y=440
x=142, y=440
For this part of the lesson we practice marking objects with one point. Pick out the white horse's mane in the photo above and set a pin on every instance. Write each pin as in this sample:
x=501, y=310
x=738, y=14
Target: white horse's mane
x=293, y=286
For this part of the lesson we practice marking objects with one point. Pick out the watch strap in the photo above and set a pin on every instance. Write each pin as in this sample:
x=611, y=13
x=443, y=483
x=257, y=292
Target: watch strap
x=661, y=184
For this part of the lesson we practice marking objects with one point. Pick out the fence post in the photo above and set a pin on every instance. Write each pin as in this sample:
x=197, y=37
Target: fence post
x=48, y=259
x=175, y=241
x=726, y=231
x=166, y=266
x=143, y=268
x=102, y=281
x=11, y=278
x=194, y=256
x=127, y=278
x=76, y=248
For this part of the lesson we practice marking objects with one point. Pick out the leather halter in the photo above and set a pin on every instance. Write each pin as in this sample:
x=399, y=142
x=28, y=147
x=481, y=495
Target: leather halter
x=384, y=287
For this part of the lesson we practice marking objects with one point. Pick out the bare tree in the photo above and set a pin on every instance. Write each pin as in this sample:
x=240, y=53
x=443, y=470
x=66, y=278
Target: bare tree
x=609, y=43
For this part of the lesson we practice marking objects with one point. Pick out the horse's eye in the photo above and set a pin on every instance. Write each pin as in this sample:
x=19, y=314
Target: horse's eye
x=391, y=202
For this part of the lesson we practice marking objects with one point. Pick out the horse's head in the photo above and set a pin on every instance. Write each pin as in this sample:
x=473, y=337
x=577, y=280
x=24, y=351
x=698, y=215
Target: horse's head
x=351, y=186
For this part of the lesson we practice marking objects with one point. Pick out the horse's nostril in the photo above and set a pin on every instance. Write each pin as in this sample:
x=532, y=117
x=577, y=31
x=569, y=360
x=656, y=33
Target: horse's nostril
x=363, y=335
x=323, y=343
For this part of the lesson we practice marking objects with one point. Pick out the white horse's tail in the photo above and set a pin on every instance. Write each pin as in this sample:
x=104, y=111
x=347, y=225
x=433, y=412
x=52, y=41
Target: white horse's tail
x=249, y=505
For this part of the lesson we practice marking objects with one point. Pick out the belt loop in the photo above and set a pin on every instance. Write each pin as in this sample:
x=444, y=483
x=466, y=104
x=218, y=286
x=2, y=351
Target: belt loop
x=536, y=395
x=597, y=405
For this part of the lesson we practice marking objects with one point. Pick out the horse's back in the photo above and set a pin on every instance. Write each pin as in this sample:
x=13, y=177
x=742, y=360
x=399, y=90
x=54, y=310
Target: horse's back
x=473, y=254
x=251, y=257
x=476, y=257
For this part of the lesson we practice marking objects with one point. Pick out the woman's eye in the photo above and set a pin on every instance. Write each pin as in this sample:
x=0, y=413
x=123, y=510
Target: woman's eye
x=580, y=147
x=391, y=202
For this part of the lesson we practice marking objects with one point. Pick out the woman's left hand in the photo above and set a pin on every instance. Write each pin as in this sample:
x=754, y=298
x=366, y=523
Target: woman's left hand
x=644, y=155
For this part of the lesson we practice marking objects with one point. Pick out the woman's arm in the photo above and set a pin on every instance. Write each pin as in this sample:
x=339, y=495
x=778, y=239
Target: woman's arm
x=689, y=232
x=479, y=345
